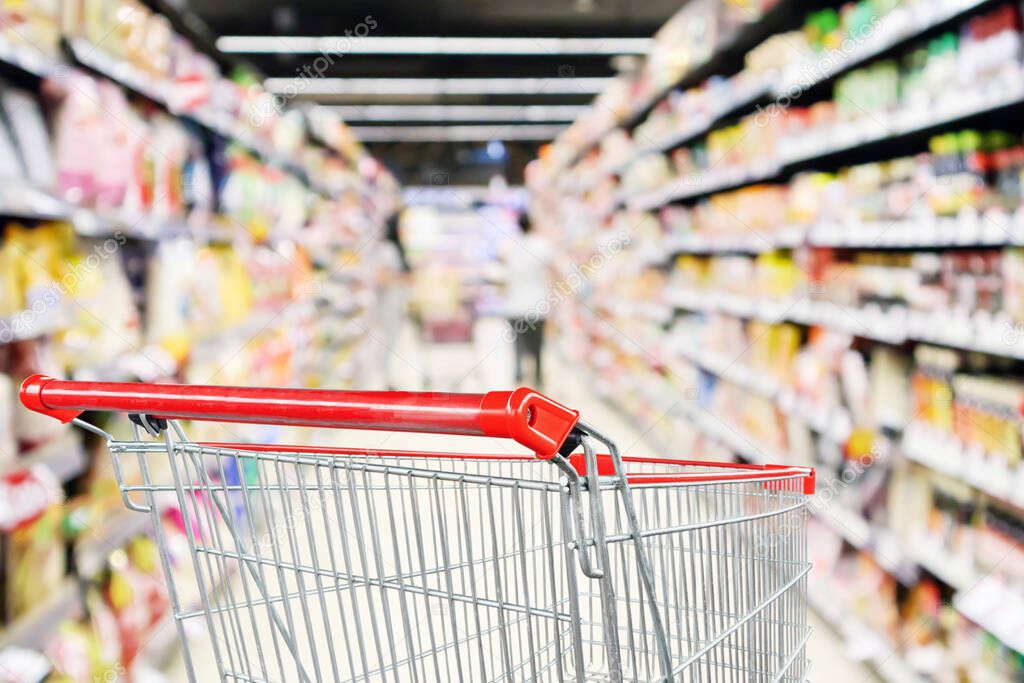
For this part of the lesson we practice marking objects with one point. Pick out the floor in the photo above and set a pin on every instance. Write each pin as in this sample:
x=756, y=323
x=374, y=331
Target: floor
x=486, y=364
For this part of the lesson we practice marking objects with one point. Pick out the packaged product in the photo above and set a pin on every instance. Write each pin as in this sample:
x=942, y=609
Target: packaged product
x=12, y=292
x=156, y=47
x=116, y=164
x=136, y=595
x=75, y=653
x=78, y=138
x=29, y=358
x=32, y=25
x=8, y=438
x=11, y=168
x=35, y=563
x=101, y=284
x=28, y=126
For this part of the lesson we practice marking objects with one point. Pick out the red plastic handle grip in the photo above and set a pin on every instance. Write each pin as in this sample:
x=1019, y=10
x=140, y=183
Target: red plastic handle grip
x=529, y=418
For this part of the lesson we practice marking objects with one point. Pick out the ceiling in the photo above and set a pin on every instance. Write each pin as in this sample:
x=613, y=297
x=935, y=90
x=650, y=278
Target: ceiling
x=446, y=18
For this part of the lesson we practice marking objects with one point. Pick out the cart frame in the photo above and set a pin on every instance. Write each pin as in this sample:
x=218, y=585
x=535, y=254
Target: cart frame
x=712, y=588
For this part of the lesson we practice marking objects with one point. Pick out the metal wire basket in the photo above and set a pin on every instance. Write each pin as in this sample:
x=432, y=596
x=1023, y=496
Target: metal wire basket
x=341, y=564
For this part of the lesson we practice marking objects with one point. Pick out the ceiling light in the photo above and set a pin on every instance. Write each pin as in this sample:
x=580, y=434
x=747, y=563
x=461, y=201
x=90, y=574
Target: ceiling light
x=430, y=45
x=456, y=133
x=303, y=86
x=457, y=112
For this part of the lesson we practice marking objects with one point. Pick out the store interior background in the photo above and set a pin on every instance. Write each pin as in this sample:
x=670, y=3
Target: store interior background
x=784, y=231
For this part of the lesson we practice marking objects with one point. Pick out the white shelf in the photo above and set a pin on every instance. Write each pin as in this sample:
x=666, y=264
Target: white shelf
x=899, y=26
x=34, y=629
x=981, y=332
x=65, y=457
x=131, y=77
x=702, y=183
x=979, y=599
x=817, y=144
x=945, y=454
x=833, y=422
x=968, y=230
x=697, y=127
x=880, y=127
x=29, y=59
x=872, y=647
x=997, y=608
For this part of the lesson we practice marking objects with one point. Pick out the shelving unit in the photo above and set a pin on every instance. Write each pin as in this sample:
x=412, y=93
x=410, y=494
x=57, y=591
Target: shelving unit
x=33, y=629
x=891, y=32
x=278, y=309
x=859, y=533
x=652, y=337
x=65, y=457
x=865, y=137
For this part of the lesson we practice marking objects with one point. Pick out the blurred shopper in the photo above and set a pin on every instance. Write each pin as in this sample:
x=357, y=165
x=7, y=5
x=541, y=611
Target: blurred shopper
x=527, y=285
x=394, y=293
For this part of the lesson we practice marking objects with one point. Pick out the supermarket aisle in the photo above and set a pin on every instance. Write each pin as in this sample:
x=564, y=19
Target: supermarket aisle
x=482, y=366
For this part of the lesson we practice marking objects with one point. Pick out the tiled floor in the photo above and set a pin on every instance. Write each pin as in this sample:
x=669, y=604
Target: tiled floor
x=486, y=365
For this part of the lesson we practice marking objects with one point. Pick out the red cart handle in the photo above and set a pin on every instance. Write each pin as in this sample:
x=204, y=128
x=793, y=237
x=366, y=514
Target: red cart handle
x=529, y=418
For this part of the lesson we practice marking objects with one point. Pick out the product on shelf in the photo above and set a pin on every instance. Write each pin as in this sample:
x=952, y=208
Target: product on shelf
x=875, y=101
x=33, y=26
x=164, y=222
x=792, y=318
x=35, y=564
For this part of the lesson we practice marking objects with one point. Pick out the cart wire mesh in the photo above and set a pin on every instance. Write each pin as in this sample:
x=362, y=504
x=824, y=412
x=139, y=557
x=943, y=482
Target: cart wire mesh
x=324, y=564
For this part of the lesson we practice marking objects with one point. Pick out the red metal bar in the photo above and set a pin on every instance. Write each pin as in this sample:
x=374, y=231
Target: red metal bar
x=523, y=415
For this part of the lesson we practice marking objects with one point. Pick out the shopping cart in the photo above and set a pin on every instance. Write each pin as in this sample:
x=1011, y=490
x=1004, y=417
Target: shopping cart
x=317, y=563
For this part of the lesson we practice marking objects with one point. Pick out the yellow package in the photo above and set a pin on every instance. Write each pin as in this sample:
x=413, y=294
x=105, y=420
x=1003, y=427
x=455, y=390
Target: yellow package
x=35, y=562
x=12, y=293
x=131, y=20
x=234, y=285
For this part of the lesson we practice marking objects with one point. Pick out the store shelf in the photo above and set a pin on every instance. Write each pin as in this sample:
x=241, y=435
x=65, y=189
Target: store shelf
x=28, y=59
x=900, y=26
x=702, y=184
x=952, y=570
x=18, y=200
x=848, y=524
x=657, y=384
x=96, y=543
x=883, y=547
x=65, y=457
x=726, y=58
x=34, y=629
x=870, y=132
x=896, y=28
x=946, y=454
x=980, y=599
x=31, y=203
x=997, y=608
x=985, y=599
x=877, y=541
x=980, y=333
x=96, y=59
x=870, y=137
x=742, y=101
x=872, y=647
x=969, y=230
x=851, y=526
x=832, y=422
